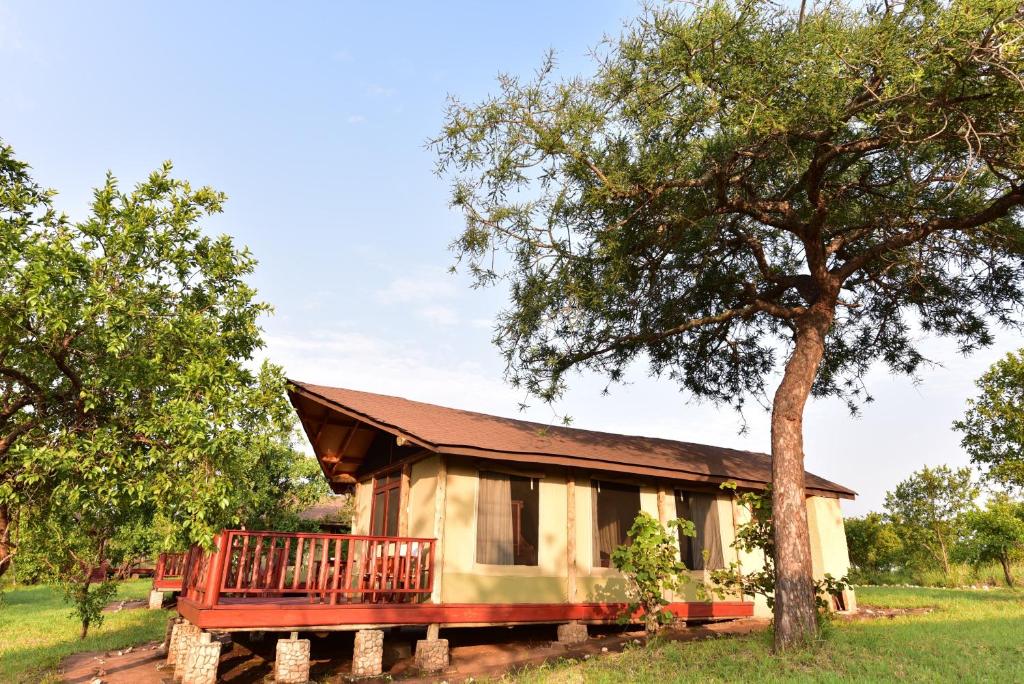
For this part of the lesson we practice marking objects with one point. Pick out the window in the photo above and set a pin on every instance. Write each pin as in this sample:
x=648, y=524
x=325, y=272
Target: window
x=701, y=509
x=387, y=492
x=508, y=520
x=615, y=508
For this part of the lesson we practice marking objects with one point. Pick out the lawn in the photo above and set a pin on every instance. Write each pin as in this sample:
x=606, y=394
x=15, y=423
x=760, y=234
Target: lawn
x=973, y=636
x=37, y=632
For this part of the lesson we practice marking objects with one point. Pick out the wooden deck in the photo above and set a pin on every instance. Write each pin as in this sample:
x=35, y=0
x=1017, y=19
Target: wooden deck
x=289, y=581
x=169, y=569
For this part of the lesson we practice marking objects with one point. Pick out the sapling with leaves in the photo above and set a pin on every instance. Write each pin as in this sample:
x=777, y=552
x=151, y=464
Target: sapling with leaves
x=652, y=567
x=755, y=538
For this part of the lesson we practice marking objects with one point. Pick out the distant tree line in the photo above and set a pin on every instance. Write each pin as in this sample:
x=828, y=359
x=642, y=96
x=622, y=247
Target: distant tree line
x=954, y=526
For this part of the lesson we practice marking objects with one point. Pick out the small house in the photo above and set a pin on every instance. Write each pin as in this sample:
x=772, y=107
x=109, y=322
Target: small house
x=463, y=518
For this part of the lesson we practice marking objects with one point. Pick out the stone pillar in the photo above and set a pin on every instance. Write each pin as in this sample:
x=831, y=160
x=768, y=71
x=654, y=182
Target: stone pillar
x=166, y=644
x=368, y=653
x=432, y=655
x=181, y=633
x=572, y=633
x=201, y=661
x=291, y=665
x=156, y=600
x=188, y=635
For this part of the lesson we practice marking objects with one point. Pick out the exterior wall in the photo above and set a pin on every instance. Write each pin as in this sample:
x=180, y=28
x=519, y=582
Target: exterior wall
x=361, y=516
x=466, y=581
x=829, y=554
x=463, y=580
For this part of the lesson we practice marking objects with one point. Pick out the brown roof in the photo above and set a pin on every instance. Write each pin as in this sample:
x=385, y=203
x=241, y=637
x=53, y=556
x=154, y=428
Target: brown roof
x=327, y=508
x=456, y=431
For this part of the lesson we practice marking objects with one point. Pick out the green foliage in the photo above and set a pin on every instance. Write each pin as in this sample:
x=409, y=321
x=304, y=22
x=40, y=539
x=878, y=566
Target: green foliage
x=729, y=169
x=993, y=425
x=926, y=511
x=755, y=537
x=126, y=374
x=873, y=544
x=995, y=533
x=651, y=566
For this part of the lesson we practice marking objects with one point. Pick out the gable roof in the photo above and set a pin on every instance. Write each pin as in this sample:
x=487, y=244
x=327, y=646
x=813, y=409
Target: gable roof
x=460, y=432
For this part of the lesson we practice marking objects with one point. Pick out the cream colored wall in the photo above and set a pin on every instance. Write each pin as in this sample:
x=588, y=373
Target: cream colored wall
x=463, y=580
x=829, y=554
x=361, y=517
x=423, y=496
x=466, y=581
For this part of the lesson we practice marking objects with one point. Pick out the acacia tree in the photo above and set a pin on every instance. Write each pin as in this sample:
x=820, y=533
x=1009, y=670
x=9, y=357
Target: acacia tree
x=927, y=510
x=993, y=425
x=738, y=185
x=125, y=347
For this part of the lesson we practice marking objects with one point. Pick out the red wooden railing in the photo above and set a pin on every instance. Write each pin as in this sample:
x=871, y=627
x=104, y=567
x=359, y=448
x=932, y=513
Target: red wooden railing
x=169, y=565
x=322, y=568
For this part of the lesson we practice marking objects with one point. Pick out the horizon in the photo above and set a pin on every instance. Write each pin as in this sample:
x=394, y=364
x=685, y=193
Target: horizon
x=315, y=126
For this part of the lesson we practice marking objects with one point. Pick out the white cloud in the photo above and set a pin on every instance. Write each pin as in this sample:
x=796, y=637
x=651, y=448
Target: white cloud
x=426, y=288
x=438, y=315
x=381, y=91
x=356, y=119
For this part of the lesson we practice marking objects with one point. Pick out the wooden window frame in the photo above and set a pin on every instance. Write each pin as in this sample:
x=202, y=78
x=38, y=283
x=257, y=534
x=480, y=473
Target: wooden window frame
x=378, y=488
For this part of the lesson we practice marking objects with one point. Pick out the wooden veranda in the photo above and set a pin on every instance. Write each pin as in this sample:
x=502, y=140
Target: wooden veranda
x=293, y=580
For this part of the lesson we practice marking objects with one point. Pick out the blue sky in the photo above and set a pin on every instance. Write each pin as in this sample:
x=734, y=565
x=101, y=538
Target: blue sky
x=313, y=117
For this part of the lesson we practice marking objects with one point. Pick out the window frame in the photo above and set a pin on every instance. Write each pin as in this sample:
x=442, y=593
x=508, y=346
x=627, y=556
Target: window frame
x=384, y=483
x=536, y=480
x=595, y=490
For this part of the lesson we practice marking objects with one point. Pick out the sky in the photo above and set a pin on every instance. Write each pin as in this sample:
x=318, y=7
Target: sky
x=314, y=118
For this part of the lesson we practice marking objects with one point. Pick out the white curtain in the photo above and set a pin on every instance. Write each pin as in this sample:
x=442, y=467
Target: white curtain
x=494, y=541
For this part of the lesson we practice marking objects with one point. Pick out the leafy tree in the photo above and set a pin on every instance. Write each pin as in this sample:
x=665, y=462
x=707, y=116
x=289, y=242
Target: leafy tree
x=927, y=510
x=993, y=425
x=125, y=347
x=995, y=534
x=651, y=565
x=873, y=543
x=739, y=184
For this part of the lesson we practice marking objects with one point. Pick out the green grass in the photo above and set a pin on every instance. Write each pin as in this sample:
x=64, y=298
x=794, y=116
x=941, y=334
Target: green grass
x=37, y=631
x=972, y=636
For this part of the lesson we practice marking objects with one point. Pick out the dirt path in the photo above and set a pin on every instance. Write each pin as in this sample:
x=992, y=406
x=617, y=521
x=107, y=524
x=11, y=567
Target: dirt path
x=478, y=652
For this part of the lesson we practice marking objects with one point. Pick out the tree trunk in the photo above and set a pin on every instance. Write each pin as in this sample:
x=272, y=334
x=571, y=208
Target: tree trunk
x=6, y=547
x=796, y=619
x=1007, y=573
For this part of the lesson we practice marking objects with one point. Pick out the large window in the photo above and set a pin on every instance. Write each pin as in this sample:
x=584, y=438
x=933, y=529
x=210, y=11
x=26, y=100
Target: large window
x=508, y=519
x=387, y=494
x=615, y=508
x=704, y=551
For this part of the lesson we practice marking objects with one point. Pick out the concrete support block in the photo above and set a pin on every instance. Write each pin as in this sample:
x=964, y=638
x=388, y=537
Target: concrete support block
x=572, y=633
x=182, y=633
x=432, y=655
x=188, y=636
x=200, y=661
x=156, y=599
x=291, y=664
x=368, y=653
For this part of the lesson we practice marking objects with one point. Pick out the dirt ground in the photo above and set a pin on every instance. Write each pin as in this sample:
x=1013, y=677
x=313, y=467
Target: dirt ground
x=475, y=652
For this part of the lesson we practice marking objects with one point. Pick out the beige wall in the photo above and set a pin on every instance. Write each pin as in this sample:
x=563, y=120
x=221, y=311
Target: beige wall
x=463, y=580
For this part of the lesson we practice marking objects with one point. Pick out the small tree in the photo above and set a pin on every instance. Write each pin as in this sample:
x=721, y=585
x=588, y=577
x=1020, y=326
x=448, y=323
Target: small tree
x=873, y=544
x=756, y=537
x=995, y=534
x=652, y=566
x=743, y=195
x=927, y=510
x=993, y=425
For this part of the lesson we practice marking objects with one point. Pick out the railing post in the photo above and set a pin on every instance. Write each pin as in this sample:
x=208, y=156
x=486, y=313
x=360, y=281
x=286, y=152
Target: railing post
x=214, y=578
x=160, y=560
